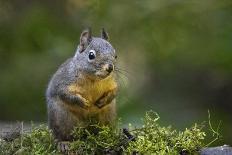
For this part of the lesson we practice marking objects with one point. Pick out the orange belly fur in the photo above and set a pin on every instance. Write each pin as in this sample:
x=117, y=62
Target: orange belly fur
x=92, y=91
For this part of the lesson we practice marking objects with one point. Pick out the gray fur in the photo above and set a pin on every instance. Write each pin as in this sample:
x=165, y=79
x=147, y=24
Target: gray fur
x=60, y=119
x=105, y=53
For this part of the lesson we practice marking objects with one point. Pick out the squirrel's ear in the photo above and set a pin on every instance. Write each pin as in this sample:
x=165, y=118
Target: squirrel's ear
x=85, y=39
x=104, y=34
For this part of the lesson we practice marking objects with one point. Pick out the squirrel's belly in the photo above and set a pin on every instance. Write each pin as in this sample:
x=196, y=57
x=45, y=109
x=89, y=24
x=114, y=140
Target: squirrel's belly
x=92, y=91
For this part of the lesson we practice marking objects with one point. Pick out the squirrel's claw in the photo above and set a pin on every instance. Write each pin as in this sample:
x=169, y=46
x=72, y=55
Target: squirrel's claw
x=105, y=99
x=63, y=147
x=85, y=103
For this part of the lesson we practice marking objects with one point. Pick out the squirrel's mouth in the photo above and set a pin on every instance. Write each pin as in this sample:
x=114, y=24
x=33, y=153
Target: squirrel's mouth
x=105, y=70
x=102, y=74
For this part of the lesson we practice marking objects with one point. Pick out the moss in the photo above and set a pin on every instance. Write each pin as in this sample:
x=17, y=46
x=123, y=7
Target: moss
x=151, y=138
x=39, y=141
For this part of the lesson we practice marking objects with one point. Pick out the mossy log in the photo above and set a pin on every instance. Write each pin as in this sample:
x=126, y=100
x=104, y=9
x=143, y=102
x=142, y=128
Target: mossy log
x=10, y=131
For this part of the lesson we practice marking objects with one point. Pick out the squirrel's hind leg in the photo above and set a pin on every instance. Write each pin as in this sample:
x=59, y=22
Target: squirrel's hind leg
x=60, y=121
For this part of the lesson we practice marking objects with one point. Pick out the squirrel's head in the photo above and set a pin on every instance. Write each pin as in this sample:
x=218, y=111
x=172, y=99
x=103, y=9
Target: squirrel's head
x=95, y=57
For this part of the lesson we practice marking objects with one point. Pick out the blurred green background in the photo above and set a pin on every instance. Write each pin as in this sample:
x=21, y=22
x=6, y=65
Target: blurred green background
x=177, y=56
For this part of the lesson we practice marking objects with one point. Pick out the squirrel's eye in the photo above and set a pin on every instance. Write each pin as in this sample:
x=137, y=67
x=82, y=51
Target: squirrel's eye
x=115, y=56
x=92, y=54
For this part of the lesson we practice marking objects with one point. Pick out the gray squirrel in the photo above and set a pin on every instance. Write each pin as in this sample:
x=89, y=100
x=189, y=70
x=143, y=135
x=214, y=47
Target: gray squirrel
x=84, y=87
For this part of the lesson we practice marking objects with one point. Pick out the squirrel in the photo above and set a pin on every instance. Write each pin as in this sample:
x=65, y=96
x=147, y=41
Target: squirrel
x=84, y=87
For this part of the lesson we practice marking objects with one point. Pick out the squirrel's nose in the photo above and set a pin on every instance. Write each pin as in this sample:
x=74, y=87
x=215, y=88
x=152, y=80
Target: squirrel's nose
x=110, y=68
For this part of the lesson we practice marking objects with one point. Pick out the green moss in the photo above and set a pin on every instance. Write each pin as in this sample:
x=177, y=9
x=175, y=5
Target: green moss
x=95, y=139
x=151, y=138
x=39, y=141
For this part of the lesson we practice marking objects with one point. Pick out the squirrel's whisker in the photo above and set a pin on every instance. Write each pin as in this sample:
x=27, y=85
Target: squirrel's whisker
x=122, y=73
x=121, y=79
x=123, y=70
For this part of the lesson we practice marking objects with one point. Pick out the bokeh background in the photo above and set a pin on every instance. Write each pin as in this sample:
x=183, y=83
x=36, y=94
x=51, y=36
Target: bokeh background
x=175, y=56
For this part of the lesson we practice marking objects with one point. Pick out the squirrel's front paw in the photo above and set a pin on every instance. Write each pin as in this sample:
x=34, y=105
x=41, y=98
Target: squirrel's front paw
x=105, y=99
x=100, y=103
x=84, y=102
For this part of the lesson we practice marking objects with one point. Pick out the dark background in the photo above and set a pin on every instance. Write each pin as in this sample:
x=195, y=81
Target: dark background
x=177, y=55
